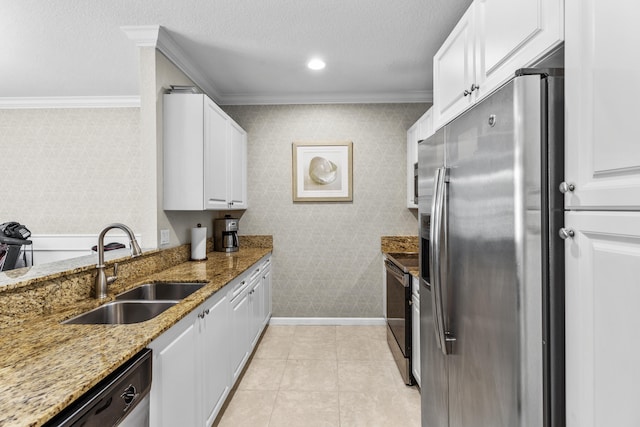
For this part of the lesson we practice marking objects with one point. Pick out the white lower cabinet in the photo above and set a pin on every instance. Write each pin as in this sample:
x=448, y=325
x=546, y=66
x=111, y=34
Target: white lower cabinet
x=198, y=360
x=602, y=318
x=174, y=396
x=256, y=306
x=415, y=329
x=259, y=300
x=239, y=321
x=216, y=383
x=266, y=291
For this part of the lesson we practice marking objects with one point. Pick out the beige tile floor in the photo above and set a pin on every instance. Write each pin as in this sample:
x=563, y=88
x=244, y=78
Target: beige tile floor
x=325, y=376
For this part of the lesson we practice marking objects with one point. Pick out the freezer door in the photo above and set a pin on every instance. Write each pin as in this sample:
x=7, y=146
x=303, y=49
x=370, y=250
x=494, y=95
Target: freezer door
x=434, y=386
x=493, y=291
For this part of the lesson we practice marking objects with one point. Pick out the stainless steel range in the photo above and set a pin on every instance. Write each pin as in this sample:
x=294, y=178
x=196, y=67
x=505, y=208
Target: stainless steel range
x=399, y=310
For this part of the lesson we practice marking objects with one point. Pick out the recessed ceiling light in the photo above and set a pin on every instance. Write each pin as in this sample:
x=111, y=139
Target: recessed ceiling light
x=316, y=64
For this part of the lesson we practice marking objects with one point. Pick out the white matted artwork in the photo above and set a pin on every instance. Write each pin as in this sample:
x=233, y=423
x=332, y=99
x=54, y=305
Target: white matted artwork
x=322, y=171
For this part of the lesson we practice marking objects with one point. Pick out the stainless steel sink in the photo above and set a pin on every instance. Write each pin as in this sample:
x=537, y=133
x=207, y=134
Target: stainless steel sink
x=160, y=291
x=122, y=312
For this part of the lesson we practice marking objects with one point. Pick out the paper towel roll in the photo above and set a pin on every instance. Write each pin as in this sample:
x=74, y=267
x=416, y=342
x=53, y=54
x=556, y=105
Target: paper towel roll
x=198, y=243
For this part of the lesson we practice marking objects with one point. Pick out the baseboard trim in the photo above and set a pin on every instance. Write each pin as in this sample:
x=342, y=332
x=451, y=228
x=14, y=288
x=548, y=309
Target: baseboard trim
x=343, y=321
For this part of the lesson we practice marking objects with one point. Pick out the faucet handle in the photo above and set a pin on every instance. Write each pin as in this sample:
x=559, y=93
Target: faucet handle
x=113, y=278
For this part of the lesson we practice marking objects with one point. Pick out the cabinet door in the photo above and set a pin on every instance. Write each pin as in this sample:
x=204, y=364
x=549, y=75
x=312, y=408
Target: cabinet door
x=412, y=158
x=602, y=153
x=215, y=156
x=415, y=338
x=238, y=165
x=183, y=168
x=425, y=128
x=256, y=307
x=215, y=367
x=240, y=320
x=266, y=291
x=175, y=395
x=602, y=318
x=514, y=34
x=454, y=71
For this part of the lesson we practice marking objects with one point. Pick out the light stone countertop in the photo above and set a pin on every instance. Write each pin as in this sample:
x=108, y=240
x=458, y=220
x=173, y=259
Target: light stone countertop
x=45, y=365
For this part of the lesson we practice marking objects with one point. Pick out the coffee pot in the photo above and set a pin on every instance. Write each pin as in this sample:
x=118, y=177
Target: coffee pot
x=225, y=234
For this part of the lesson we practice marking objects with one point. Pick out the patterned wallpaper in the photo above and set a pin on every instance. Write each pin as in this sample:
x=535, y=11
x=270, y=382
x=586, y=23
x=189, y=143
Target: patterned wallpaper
x=327, y=259
x=70, y=170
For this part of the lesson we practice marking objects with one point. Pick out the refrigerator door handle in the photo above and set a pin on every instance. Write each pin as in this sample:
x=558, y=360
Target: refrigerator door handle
x=434, y=253
x=439, y=259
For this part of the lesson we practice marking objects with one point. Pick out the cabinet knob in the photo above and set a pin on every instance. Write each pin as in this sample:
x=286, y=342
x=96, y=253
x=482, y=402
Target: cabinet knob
x=474, y=87
x=566, y=233
x=566, y=187
x=466, y=93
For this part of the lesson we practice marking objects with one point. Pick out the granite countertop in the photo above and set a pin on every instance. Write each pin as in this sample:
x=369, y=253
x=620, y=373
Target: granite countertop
x=400, y=244
x=46, y=365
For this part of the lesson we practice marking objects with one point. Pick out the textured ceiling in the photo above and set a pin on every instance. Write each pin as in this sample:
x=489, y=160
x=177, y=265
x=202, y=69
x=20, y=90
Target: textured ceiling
x=246, y=49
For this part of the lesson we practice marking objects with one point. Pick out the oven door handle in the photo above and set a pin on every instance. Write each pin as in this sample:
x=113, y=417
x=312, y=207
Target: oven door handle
x=396, y=272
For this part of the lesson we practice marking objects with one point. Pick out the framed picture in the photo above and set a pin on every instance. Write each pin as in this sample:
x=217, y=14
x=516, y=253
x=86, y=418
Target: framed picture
x=323, y=171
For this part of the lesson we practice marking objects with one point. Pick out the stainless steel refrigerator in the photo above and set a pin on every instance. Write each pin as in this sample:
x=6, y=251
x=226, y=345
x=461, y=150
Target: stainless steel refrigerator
x=491, y=260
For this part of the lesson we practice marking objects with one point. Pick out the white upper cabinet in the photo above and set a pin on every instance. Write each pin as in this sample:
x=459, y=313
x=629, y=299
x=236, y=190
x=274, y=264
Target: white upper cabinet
x=421, y=129
x=238, y=186
x=491, y=41
x=514, y=34
x=205, y=155
x=454, y=71
x=602, y=153
x=216, y=179
x=412, y=159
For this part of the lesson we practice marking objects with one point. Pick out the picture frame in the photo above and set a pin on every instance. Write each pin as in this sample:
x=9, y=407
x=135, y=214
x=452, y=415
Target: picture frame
x=322, y=171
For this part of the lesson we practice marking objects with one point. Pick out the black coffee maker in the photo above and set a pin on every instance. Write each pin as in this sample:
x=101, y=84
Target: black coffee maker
x=225, y=234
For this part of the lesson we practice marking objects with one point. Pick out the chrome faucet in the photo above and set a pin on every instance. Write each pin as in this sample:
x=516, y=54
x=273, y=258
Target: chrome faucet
x=101, y=278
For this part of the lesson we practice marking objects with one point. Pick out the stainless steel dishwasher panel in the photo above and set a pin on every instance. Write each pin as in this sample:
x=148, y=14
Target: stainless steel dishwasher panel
x=119, y=399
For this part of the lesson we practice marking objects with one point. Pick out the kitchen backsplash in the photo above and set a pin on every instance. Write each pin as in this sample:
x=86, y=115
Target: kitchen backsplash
x=327, y=259
x=51, y=293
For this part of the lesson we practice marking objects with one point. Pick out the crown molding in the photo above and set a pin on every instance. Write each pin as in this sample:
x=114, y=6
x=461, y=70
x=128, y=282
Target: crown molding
x=70, y=102
x=143, y=35
x=328, y=98
x=158, y=37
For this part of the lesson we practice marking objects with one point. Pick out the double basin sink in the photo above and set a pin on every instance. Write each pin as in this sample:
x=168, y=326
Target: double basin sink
x=139, y=304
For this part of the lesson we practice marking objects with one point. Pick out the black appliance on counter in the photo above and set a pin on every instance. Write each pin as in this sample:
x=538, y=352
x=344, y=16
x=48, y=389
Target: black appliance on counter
x=13, y=236
x=398, y=310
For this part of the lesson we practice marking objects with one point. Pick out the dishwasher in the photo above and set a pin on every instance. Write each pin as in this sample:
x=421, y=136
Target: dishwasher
x=121, y=399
